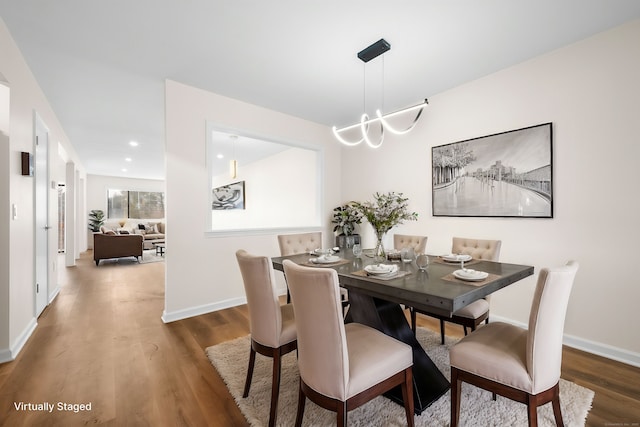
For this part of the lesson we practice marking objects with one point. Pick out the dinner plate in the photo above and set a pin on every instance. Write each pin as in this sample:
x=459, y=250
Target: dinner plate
x=457, y=258
x=380, y=269
x=324, y=259
x=321, y=251
x=470, y=275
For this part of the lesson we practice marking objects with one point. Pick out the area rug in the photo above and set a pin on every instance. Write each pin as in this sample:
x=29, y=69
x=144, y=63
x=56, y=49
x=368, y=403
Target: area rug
x=477, y=409
x=148, y=256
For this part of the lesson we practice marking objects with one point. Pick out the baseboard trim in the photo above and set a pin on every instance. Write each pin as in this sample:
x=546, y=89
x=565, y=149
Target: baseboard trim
x=168, y=317
x=23, y=338
x=5, y=355
x=54, y=294
x=599, y=349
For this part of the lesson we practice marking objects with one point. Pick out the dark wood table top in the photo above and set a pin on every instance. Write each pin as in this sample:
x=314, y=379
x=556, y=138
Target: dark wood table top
x=426, y=290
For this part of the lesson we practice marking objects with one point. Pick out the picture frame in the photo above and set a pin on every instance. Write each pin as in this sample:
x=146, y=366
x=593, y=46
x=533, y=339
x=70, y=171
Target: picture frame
x=228, y=197
x=507, y=174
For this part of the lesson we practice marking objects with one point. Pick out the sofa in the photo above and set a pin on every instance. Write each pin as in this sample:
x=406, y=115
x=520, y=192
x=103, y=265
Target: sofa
x=152, y=231
x=111, y=245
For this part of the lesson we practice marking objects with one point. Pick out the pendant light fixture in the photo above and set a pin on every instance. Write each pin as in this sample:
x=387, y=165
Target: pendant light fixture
x=366, y=55
x=233, y=164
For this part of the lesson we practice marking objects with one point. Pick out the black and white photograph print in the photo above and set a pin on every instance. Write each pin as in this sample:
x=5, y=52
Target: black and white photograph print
x=228, y=197
x=507, y=174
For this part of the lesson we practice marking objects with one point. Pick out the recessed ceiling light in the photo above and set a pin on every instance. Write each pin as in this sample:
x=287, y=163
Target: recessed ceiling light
x=124, y=170
x=127, y=159
x=133, y=143
x=220, y=156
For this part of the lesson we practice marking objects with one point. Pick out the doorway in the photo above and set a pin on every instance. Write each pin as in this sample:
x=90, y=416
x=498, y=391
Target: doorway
x=41, y=229
x=61, y=218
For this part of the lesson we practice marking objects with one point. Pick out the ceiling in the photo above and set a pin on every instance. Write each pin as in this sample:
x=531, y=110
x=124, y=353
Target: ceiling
x=102, y=65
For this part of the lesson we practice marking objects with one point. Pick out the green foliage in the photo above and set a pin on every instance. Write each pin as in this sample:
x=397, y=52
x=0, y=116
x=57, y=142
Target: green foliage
x=386, y=211
x=346, y=217
x=96, y=219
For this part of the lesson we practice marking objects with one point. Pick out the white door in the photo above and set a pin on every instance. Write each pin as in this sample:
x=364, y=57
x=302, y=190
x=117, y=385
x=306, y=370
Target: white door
x=41, y=171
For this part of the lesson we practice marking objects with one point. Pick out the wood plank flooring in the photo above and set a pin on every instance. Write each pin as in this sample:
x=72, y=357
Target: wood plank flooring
x=102, y=341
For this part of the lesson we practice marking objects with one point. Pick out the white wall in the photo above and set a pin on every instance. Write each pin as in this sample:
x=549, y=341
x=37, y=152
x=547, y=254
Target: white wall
x=590, y=92
x=5, y=248
x=201, y=271
x=25, y=98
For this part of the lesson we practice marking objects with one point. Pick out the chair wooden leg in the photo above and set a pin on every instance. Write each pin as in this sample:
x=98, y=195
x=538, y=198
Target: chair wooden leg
x=557, y=413
x=301, y=401
x=456, y=385
x=441, y=331
x=252, y=361
x=465, y=331
x=532, y=411
x=407, y=395
x=275, y=388
x=342, y=414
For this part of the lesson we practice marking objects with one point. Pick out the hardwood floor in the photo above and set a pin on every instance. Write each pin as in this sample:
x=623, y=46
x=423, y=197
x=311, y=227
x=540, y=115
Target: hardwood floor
x=102, y=342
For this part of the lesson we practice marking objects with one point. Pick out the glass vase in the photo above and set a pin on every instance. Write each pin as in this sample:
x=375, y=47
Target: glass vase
x=379, y=255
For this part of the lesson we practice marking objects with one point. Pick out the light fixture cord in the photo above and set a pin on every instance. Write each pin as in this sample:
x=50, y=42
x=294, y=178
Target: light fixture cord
x=382, y=89
x=364, y=87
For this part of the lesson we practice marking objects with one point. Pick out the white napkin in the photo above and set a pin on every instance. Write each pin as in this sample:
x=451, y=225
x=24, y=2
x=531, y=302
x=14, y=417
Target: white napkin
x=382, y=268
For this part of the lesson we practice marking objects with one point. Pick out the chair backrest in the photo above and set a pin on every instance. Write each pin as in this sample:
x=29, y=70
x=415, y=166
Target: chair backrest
x=546, y=325
x=418, y=243
x=322, y=346
x=479, y=249
x=265, y=317
x=291, y=244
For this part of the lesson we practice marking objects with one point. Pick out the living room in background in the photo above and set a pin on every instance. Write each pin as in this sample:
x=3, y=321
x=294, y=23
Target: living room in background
x=281, y=182
x=135, y=204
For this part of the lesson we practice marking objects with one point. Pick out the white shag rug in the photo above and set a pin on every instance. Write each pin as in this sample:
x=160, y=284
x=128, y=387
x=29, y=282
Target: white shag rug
x=477, y=409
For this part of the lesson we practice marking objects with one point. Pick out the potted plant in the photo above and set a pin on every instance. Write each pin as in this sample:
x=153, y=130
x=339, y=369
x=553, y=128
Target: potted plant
x=385, y=212
x=96, y=220
x=345, y=218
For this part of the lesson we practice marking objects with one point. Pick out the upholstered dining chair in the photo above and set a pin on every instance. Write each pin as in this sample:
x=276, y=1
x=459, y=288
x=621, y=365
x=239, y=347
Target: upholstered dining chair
x=520, y=364
x=417, y=243
x=291, y=244
x=472, y=315
x=273, y=329
x=342, y=366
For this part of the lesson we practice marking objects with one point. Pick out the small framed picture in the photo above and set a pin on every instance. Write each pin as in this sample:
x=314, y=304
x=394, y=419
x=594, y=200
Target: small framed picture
x=228, y=197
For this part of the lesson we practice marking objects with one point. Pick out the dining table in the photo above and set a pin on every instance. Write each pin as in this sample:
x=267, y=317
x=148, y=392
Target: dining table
x=378, y=301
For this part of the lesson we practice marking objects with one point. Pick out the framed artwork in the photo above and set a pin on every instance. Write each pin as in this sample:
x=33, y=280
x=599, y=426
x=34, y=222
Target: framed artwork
x=508, y=174
x=228, y=197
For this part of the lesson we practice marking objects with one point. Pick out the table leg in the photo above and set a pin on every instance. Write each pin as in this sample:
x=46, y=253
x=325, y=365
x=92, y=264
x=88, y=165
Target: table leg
x=428, y=382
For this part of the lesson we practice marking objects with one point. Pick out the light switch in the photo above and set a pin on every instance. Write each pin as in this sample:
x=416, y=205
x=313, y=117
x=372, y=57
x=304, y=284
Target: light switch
x=14, y=211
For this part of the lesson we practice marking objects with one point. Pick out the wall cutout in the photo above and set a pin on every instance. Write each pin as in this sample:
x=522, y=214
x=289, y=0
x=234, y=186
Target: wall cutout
x=281, y=182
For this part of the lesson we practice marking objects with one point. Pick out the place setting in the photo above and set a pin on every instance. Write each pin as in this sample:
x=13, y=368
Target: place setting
x=381, y=271
x=325, y=258
x=456, y=258
x=470, y=276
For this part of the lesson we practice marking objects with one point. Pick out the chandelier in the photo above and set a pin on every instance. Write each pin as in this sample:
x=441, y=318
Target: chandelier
x=380, y=120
